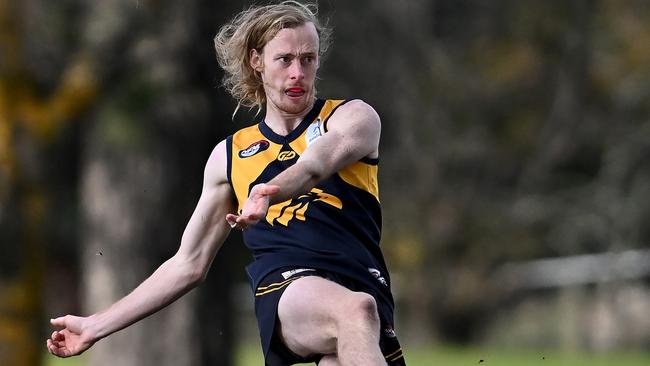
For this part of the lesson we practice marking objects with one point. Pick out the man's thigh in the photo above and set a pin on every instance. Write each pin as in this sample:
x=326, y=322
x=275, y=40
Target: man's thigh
x=308, y=311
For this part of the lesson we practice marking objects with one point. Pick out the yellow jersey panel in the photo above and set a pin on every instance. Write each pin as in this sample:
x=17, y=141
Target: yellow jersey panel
x=362, y=175
x=252, y=152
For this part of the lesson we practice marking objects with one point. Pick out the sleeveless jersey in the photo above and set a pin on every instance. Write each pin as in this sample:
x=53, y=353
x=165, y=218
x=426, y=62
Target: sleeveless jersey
x=336, y=226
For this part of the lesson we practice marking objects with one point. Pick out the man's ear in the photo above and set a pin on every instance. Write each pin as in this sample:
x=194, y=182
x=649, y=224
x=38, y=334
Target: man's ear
x=256, y=60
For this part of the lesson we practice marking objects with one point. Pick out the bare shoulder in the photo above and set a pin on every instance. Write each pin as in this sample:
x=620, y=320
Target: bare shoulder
x=359, y=124
x=355, y=113
x=216, y=169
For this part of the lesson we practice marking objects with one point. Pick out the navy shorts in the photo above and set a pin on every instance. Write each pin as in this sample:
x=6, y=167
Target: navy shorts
x=267, y=297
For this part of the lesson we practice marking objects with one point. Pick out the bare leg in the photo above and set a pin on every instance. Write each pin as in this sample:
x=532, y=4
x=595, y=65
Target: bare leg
x=320, y=316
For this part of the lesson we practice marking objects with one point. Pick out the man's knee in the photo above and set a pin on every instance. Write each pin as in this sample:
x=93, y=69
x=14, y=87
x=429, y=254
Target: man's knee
x=360, y=309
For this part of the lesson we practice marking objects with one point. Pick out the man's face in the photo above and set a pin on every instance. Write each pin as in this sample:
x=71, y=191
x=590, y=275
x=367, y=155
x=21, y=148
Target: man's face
x=288, y=65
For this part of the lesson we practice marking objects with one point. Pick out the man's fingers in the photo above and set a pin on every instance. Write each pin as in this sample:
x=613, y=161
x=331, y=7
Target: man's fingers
x=232, y=220
x=56, y=349
x=242, y=222
x=52, y=349
x=236, y=222
x=249, y=220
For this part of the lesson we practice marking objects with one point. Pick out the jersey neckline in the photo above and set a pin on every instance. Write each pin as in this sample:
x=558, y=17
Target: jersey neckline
x=280, y=139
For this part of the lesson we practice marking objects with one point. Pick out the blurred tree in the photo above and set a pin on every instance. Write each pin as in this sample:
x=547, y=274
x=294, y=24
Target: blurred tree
x=33, y=123
x=143, y=155
x=149, y=74
x=511, y=130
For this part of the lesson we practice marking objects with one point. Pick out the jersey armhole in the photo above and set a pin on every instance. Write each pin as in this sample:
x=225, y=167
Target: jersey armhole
x=331, y=113
x=370, y=161
x=229, y=161
x=367, y=160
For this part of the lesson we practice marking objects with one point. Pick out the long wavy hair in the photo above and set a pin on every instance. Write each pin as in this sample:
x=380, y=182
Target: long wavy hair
x=252, y=29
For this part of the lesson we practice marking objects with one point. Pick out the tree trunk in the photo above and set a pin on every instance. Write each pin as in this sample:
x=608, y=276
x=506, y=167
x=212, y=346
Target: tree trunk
x=144, y=150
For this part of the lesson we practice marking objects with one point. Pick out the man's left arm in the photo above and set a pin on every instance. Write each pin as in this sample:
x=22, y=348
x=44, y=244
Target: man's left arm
x=353, y=133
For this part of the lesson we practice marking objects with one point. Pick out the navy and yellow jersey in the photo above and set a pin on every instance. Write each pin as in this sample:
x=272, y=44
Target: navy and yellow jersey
x=336, y=226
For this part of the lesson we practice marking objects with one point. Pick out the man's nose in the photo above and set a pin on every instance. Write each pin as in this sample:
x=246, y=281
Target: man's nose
x=296, y=71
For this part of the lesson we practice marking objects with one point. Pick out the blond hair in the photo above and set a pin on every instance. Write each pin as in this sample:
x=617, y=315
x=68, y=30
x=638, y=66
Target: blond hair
x=252, y=29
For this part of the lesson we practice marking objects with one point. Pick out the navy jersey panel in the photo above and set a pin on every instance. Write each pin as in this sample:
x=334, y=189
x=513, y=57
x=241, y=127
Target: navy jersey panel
x=335, y=227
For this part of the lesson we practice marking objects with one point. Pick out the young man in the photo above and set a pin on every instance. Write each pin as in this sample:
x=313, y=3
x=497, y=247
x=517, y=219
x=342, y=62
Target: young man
x=304, y=181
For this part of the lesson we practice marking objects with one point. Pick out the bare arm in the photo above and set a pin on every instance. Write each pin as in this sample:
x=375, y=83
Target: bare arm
x=353, y=134
x=203, y=236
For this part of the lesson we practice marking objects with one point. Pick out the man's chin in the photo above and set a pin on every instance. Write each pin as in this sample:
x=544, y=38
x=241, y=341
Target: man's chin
x=296, y=105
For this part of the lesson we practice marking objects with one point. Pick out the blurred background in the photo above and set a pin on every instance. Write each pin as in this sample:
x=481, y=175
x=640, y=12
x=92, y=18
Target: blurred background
x=514, y=174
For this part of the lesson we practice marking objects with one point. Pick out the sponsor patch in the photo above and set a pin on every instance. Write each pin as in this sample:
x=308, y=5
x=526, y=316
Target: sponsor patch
x=255, y=148
x=377, y=274
x=314, y=131
x=286, y=155
x=292, y=272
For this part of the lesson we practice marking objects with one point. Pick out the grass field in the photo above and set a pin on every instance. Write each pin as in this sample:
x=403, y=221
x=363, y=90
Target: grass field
x=465, y=356
x=250, y=355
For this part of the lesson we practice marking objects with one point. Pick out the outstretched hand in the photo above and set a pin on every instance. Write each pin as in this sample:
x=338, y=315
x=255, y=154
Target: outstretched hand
x=72, y=339
x=255, y=207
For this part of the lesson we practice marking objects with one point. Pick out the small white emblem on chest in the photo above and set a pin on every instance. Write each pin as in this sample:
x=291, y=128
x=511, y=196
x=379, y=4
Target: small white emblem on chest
x=314, y=131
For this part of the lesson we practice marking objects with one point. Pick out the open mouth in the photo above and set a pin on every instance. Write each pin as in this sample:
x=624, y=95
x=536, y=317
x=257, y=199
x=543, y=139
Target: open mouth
x=295, y=92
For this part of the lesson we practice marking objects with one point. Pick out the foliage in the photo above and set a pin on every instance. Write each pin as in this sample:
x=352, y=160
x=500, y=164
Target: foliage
x=512, y=130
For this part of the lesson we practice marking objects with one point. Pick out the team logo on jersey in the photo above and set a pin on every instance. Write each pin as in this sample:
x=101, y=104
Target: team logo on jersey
x=255, y=148
x=282, y=213
x=314, y=131
x=286, y=155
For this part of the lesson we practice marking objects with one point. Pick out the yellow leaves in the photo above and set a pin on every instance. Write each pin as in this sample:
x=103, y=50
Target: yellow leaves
x=7, y=158
x=16, y=296
x=407, y=251
x=22, y=109
x=16, y=337
x=621, y=53
x=77, y=90
x=35, y=206
x=18, y=317
x=507, y=64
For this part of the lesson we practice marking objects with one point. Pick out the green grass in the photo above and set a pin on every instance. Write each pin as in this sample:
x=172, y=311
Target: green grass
x=465, y=356
x=49, y=360
x=251, y=355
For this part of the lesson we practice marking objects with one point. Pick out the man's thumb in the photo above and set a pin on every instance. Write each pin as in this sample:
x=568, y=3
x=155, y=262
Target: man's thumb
x=58, y=322
x=270, y=189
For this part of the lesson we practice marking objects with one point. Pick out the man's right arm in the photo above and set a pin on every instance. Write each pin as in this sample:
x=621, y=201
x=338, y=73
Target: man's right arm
x=205, y=233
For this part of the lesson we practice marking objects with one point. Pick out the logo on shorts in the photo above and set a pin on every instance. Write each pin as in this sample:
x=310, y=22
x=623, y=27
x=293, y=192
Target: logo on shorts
x=377, y=275
x=292, y=272
x=255, y=148
x=390, y=332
